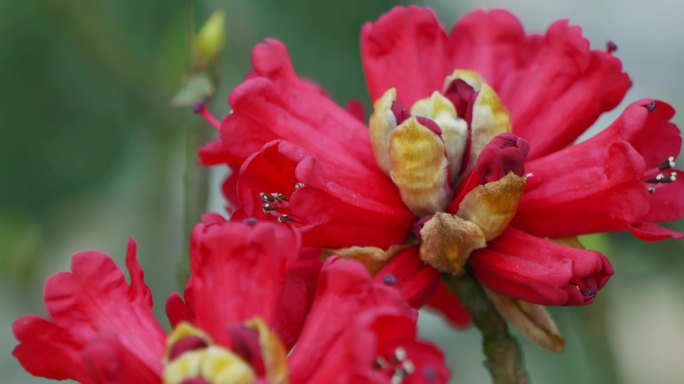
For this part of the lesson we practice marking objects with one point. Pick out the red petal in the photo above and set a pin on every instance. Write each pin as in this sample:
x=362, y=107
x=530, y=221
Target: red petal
x=405, y=49
x=415, y=280
x=450, y=307
x=583, y=189
x=345, y=289
x=108, y=361
x=176, y=310
x=213, y=153
x=357, y=109
x=95, y=297
x=297, y=297
x=650, y=132
x=539, y=271
x=561, y=89
x=335, y=208
x=273, y=103
x=554, y=86
x=599, y=185
x=653, y=232
x=92, y=300
x=237, y=272
x=377, y=333
x=667, y=201
x=487, y=42
x=46, y=350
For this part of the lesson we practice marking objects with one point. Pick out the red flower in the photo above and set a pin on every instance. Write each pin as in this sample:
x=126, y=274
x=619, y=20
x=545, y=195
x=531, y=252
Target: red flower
x=245, y=306
x=448, y=170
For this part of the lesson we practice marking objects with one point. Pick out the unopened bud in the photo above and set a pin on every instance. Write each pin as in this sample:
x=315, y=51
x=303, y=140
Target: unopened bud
x=209, y=41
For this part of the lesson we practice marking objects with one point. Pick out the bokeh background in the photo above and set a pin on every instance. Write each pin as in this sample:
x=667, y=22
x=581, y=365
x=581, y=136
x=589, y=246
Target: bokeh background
x=91, y=153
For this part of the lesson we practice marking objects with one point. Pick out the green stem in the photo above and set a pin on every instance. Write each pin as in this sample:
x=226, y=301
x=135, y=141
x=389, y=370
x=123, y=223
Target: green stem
x=504, y=359
x=195, y=190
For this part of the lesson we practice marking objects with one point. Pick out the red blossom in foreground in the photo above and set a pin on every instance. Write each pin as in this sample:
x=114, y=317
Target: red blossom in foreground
x=246, y=304
x=450, y=153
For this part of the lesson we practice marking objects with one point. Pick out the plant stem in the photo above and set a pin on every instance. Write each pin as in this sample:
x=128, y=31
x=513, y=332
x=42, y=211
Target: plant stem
x=504, y=359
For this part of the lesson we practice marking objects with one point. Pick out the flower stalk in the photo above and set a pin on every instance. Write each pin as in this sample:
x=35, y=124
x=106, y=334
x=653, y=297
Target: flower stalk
x=504, y=359
x=200, y=85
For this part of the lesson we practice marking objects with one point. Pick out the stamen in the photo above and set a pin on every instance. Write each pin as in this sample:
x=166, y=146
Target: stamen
x=279, y=197
x=400, y=354
x=667, y=164
x=200, y=108
x=381, y=363
x=285, y=218
x=268, y=208
x=651, y=106
x=266, y=198
x=651, y=189
x=660, y=179
x=611, y=47
x=408, y=367
x=299, y=185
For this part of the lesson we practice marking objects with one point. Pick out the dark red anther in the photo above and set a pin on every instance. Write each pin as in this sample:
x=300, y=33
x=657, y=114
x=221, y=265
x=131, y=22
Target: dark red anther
x=429, y=124
x=611, y=47
x=399, y=111
x=651, y=106
x=188, y=343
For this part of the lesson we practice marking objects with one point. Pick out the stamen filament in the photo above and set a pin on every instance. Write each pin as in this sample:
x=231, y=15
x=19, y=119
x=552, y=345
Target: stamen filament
x=200, y=108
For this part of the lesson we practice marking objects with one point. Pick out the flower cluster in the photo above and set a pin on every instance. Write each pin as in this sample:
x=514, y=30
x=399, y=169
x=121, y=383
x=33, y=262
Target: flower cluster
x=468, y=157
x=340, y=230
x=252, y=296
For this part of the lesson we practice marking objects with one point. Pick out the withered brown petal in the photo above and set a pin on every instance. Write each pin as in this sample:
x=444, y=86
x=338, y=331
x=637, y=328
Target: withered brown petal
x=533, y=320
x=448, y=240
x=492, y=206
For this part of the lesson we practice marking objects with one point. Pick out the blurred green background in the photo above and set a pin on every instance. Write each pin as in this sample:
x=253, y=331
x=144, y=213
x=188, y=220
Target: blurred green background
x=91, y=153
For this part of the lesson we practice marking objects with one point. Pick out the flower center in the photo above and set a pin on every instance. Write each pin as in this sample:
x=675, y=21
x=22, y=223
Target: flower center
x=193, y=358
x=455, y=163
x=428, y=151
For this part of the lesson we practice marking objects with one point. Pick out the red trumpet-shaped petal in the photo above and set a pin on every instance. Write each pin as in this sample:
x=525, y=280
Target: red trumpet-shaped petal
x=416, y=280
x=238, y=271
x=448, y=305
x=354, y=322
x=551, y=80
x=317, y=199
x=405, y=49
x=539, y=271
x=274, y=103
x=609, y=182
x=91, y=309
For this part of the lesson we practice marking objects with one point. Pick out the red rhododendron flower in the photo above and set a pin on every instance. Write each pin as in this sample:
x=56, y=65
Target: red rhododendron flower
x=469, y=152
x=246, y=297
